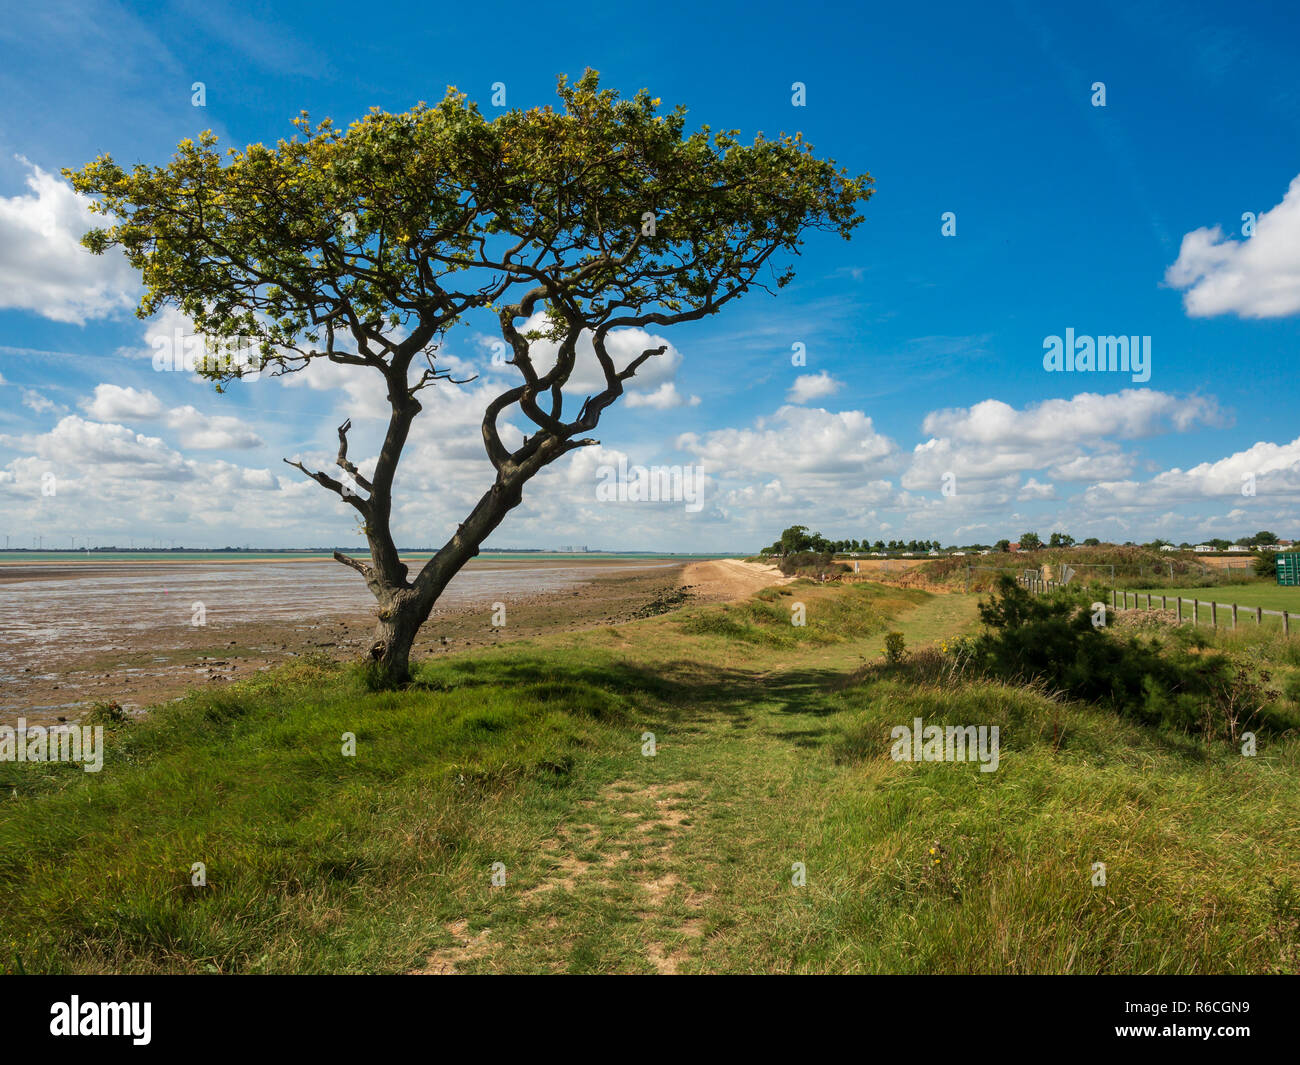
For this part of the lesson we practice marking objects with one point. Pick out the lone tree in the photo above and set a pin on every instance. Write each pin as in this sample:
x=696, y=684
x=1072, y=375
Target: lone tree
x=366, y=247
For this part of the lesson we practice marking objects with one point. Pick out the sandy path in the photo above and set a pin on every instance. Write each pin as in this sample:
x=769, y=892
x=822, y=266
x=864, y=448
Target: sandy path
x=725, y=580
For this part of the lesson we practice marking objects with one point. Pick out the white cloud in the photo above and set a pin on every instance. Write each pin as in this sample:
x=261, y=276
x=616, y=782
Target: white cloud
x=113, y=403
x=665, y=397
x=80, y=443
x=1075, y=439
x=43, y=267
x=1088, y=416
x=797, y=442
x=1258, y=277
x=1033, y=489
x=811, y=386
x=33, y=400
x=1263, y=472
x=210, y=432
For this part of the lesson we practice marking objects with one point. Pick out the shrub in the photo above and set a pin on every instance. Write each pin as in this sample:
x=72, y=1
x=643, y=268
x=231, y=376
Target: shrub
x=894, y=648
x=810, y=564
x=1178, y=683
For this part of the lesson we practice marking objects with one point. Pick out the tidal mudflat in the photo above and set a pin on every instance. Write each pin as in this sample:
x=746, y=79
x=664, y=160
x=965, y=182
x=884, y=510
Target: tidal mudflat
x=73, y=634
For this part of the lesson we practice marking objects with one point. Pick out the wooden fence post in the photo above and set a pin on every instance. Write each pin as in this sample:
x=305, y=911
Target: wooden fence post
x=1259, y=615
x=1214, y=614
x=1286, y=623
x=1180, y=610
x=1196, y=612
x=1164, y=602
x=1234, y=616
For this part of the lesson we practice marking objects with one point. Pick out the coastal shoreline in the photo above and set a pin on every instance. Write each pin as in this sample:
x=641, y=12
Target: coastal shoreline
x=164, y=662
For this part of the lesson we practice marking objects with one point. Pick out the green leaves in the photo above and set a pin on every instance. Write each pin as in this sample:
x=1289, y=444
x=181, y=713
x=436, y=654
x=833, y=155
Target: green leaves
x=413, y=219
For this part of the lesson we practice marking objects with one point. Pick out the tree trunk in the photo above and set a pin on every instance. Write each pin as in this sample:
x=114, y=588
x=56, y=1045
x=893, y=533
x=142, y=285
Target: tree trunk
x=403, y=609
x=390, y=654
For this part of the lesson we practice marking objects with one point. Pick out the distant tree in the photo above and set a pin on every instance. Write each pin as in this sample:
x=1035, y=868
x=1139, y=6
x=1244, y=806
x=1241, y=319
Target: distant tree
x=1002, y=545
x=365, y=246
x=1060, y=539
x=1265, y=537
x=1092, y=541
x=879, y=545
x=1030, y=542
x=795, y=539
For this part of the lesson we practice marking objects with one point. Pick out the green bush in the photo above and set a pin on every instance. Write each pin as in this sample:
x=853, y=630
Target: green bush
x=810, y=564
x=1178, y=683
x=894, y=648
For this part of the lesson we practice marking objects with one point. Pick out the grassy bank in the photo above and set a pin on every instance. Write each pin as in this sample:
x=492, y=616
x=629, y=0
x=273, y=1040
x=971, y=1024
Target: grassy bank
x=772, y=747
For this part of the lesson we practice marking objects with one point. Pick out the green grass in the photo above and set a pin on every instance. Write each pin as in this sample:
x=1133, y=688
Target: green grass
x=772, y=748
x=1268, y=596
x=1247, y=597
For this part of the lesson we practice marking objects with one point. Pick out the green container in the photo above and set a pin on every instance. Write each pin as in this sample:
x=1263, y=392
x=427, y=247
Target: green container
x=1288, y=569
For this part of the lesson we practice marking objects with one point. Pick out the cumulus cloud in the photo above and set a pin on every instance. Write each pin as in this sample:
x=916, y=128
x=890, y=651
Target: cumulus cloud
x=812, y=386
x=665, y=397
x=210, y=432
x=1132, y=413
x=797, y=441
x=1262, y=472
x=44, y=268
x=112, y=403
x=1033, y=489
x=115, y=448
x=1257, y=277
x=1075, y=439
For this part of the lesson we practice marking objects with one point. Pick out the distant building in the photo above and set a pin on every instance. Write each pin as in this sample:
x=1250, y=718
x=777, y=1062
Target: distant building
x=1014, y=547
x=1238, y=547
x=1202, y=548
x=1168, y=547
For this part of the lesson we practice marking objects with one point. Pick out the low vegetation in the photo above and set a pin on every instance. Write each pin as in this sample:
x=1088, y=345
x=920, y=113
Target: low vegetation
x=650, y=791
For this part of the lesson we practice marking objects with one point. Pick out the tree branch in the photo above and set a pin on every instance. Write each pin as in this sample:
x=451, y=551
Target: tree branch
x=337, y=487
x=343, y=457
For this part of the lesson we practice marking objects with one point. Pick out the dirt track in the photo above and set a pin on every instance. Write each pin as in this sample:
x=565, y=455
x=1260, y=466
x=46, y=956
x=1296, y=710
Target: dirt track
x=728, y=579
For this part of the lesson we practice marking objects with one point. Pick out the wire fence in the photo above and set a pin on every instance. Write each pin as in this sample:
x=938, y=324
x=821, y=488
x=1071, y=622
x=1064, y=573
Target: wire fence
x=1119, y=600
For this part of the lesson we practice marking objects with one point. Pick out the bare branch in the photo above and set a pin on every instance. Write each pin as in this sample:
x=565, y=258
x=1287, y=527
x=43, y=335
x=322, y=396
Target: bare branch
x=337, y=487
x=343, y=457
x=360, y=567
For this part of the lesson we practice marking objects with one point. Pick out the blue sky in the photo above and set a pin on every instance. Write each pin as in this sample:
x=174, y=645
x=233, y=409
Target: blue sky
x=924, y=351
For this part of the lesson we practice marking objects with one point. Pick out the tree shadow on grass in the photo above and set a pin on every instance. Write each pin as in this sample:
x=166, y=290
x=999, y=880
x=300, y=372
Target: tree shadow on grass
x=683, y=692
